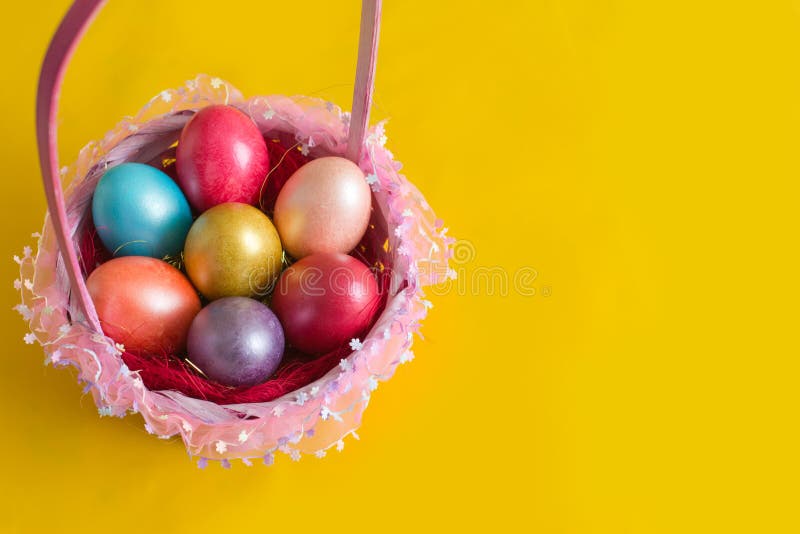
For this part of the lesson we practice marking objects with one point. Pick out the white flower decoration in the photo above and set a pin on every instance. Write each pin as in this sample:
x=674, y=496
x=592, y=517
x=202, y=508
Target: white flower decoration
x=221, y=447
x=372, y=178
x=166, y=96
x=302, y=397
x=186, y=426
x=356, y=344
x=372, y=383
x=215, y=83
x=269, y=114
x=243, y=436
x=407, y=356
x=24, y=310
x=17, y=284
x=30, y=338
x=277, y=411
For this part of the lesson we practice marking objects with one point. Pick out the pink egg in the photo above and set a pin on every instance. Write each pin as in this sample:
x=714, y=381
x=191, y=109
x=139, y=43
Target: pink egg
x=325, y=300
x=221, y=157
x=323, y=207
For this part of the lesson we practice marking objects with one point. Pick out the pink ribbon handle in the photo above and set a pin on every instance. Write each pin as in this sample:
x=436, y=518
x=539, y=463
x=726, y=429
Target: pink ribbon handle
x=62, y=46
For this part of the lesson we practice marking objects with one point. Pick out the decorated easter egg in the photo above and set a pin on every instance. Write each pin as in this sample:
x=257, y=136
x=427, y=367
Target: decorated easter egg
x=236, y=341
x=221, y=157
x=139, y=211
x=323, y=207
x=233, y=250
x=144, y=303
x=324, y=300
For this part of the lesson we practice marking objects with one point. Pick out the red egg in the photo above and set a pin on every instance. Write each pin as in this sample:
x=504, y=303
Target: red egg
x=144, y=303
x=325, y=300
x=221, y=157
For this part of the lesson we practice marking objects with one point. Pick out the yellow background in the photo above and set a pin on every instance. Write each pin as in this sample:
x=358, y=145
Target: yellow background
x=641, y=156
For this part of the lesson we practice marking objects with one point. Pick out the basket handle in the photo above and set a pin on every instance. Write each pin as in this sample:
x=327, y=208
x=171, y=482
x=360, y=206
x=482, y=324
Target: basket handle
x=61, y=48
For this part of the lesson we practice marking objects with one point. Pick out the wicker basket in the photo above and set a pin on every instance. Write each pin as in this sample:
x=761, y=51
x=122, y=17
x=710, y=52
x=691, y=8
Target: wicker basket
x=412, y=246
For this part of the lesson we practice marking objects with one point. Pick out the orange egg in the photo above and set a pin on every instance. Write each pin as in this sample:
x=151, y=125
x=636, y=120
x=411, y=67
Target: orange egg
x=324, y=207
x=144, y=303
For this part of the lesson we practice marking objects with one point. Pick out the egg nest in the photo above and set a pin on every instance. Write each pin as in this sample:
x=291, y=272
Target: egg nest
x=172, y=371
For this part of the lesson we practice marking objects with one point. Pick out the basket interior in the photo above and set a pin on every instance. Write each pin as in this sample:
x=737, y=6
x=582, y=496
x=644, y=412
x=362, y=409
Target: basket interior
x=170, y=371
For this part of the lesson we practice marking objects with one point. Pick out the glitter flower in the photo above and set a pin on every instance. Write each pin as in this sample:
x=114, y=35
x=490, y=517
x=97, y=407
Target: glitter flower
x=372, y=383
x=221, y=447
x=324, y=413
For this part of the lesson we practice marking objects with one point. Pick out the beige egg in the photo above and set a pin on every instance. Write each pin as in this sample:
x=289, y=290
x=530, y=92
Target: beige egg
x=324, y=207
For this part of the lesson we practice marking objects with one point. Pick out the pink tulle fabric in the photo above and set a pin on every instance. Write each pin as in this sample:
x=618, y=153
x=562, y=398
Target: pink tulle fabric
x=309, y=420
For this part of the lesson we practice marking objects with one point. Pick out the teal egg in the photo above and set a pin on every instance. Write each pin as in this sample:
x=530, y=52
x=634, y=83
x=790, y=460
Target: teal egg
x=140, y=211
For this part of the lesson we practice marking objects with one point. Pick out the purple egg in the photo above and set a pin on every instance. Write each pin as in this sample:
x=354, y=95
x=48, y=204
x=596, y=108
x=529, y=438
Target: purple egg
x=236, y=341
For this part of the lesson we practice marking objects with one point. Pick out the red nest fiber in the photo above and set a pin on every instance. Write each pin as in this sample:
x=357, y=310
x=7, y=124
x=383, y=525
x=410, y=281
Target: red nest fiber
x=171, y=372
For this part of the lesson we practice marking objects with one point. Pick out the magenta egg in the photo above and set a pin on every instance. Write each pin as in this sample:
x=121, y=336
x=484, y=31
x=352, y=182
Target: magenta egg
x=221, y=157
x=324, y=207
x=325, y=300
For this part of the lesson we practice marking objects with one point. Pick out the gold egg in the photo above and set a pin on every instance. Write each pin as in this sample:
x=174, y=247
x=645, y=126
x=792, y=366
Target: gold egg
x=233, y=250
